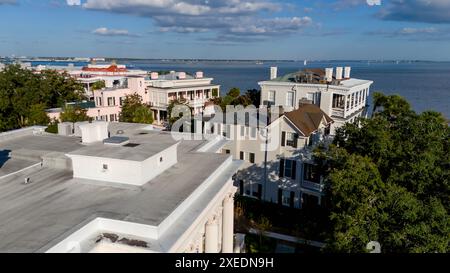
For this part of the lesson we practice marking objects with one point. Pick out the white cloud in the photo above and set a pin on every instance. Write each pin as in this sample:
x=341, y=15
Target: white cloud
x=74, y=2
x=224, y=17
x=103, y=31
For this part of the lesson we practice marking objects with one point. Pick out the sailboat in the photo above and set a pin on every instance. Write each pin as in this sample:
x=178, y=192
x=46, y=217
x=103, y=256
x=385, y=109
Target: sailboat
x=305, y=63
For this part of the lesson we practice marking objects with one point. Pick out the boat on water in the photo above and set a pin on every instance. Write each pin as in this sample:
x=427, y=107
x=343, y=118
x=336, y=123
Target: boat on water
x=305, y=63
x=259, y=63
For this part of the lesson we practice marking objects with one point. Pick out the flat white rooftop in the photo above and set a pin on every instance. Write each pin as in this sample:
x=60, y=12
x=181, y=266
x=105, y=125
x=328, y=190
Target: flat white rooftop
x=36, y=216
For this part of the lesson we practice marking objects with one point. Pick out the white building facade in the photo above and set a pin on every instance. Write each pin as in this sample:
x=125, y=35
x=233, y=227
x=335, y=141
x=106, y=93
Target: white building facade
x=341, y=97
x=277, y=168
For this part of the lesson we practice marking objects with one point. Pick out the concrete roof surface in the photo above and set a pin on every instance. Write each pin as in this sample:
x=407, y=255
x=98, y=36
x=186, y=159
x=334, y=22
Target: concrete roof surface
x=37, y=215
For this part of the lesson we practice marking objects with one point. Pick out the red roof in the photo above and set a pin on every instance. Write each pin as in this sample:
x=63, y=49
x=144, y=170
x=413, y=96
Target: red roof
x=111, y=68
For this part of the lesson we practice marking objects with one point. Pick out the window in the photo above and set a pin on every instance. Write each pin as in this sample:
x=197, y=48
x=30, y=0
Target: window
x=226, y=152
x=272, y=97
x=288, y=168
x=242, y=155
x=311, y=173
x=100, y=101
x=242, y=131
x=252, y=158
x=105, y=167
x=111, y=101
x=227, y=131
x=291, y=139
x=290, y=99
x=121, y=100
x=286, y=200
x=310, y=97
x=253, y=133
x=258, y=192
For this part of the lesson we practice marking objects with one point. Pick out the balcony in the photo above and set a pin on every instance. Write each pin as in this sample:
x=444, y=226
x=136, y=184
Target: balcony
x=197, y=102
x=337, y=112
x=312, y=186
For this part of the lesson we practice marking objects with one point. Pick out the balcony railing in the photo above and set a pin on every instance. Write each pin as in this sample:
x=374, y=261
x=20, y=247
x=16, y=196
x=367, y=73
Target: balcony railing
x=336, y=112
x=312, y=186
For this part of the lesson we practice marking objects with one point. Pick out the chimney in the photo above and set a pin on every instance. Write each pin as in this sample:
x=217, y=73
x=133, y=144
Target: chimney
x=339, y=71
x=273, y=72
x=182, y=75
x=199, y=74
x=347, y=72
x=329, y=74
x=154, y=75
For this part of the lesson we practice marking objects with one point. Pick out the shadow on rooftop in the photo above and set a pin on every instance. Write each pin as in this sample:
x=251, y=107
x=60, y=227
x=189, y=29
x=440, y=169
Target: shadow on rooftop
x=4, y=157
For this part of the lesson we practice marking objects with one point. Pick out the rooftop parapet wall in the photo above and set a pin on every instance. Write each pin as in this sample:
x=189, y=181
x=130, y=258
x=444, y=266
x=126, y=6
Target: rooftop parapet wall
x=29, y=131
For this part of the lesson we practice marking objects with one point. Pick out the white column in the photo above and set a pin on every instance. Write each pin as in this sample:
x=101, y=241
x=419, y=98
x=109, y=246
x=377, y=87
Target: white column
x=228, y=225
x=345, y=106
x=212, y=236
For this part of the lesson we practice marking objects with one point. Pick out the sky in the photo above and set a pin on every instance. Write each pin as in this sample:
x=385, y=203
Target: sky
x=228, y=29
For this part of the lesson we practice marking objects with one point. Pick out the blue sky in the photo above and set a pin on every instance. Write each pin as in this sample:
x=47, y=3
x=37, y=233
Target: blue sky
x=226, y=29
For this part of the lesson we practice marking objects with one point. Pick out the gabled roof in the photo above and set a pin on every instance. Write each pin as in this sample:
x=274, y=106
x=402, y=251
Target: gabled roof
x=308, y=118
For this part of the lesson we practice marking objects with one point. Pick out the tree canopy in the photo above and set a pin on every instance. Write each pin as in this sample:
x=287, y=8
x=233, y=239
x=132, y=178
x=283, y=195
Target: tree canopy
x=134, y=111
x=185, y=110
x=74, y=114
x=234, y=97
x=98, y=85
x=25, y=95
x=387, y=180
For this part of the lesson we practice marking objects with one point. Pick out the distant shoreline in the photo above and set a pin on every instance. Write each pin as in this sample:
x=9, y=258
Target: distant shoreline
x=182, y=60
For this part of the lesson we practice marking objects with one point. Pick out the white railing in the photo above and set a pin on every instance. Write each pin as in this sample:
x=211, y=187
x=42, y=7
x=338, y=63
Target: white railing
x=337, y=113
x=312, y=186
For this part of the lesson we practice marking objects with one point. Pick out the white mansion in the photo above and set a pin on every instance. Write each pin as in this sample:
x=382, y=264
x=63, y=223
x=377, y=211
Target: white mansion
x=279, y=168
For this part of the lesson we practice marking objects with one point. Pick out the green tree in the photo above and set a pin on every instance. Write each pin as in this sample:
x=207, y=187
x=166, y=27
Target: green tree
x=400, y=159
x=234, y=98
x=254, y=96
x=234, y=92
x=134, y=111
x=215, y=92
x=263, y=225
x=21, y=91
x=74, y=114
x=143, y=114
x=184, y=110
x=98, y=85
x=37, y=115
x=354, y=193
